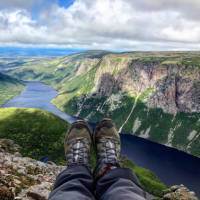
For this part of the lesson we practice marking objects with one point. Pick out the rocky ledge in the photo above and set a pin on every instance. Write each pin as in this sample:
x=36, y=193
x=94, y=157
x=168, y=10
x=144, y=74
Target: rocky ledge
x=23, y=178
x=179, y=192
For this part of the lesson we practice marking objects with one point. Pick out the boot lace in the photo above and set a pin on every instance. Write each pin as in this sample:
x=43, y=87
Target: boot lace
x=108, y=149
x=78, y=152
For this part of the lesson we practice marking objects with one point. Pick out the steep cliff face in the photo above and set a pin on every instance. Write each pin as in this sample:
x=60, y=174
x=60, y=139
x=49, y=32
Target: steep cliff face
x=178, y=91
x=176, y=88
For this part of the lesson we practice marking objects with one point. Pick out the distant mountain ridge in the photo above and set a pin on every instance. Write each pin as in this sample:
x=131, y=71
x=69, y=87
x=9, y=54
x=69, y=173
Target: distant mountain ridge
x=155, y=95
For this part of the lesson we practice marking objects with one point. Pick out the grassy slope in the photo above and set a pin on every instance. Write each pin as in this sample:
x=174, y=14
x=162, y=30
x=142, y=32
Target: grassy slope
x=38, y=132
x=41, y=134
x=9, y=88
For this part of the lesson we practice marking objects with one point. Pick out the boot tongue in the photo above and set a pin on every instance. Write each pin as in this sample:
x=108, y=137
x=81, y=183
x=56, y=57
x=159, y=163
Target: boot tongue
x=104, y=169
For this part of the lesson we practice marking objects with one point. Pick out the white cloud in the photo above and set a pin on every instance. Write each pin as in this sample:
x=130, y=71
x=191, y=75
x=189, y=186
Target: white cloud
x=105, y=24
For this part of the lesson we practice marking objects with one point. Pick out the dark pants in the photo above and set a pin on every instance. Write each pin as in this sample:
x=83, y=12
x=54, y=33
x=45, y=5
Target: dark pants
x=77, y=183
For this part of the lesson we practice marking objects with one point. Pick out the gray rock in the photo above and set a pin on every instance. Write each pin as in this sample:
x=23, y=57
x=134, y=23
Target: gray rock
x=179, y=192
x=23, y=177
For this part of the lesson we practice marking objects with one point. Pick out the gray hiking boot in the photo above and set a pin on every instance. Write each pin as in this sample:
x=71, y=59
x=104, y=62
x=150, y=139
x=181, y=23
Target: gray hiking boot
x=108, y=147
x=78, y=144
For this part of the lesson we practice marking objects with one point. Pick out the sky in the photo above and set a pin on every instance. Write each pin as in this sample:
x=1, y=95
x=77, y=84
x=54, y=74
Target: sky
x=121, y=25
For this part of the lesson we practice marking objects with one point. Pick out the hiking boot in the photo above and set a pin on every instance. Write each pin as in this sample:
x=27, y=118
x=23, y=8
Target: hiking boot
x=107, y=142
x=78, y=144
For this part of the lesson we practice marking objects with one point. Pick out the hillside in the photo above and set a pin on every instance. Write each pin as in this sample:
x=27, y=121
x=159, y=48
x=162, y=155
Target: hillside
x=152, y=95
x=9, y=87
x=28, y=126
x=40, y=134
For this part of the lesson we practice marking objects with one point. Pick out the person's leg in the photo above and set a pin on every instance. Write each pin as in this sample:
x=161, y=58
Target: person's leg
x=119, y=184
x=113, y=182
x=76, y=181
x=73, y=183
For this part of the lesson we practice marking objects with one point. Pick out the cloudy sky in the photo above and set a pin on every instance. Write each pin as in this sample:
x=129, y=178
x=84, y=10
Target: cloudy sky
x=101, y=24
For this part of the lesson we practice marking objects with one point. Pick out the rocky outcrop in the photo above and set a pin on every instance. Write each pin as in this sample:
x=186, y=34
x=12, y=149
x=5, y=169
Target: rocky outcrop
x=9, y=146
x=108, y=85
x=23, y=177
x=176, y=88
x=176, y=94
x=86, y=65
x=179, y=192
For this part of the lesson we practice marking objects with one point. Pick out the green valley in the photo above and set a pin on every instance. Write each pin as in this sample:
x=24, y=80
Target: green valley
x=155, y=95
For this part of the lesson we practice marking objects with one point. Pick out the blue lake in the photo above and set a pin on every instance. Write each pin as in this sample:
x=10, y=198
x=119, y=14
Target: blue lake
x=38, y=95
x=170, y=165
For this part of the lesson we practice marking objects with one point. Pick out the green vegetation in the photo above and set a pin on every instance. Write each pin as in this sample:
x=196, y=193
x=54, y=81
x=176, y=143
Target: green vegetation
x=9, y=87
x=147, y=179
x=79, y=85
x=57, y=71
x=40, y=133
x=75, y=78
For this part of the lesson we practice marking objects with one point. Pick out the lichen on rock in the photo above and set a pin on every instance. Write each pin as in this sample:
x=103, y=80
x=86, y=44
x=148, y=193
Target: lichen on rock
x=23, y=177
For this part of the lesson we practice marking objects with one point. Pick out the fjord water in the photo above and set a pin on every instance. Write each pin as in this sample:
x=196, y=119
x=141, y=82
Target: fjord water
x=170, y=165
x=38, y=95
